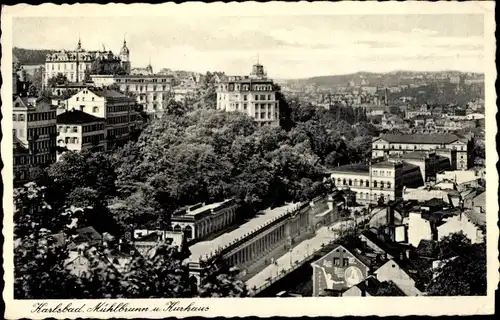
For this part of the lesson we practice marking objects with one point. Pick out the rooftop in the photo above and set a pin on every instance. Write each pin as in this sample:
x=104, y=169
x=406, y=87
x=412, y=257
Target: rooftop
x=107, y=93
x=420, y=138
x=203, y=248
x=357, y=168
x=77, y=117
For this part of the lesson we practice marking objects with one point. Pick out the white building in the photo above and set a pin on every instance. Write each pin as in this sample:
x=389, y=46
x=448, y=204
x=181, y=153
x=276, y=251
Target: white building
x=117, y=109
x=254, y=95
x=79, y=130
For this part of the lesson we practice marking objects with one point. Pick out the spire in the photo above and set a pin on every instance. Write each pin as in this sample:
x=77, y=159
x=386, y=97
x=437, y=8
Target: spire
x=79, y=46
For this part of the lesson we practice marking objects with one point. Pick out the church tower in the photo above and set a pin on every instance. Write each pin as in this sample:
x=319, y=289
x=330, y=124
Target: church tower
x=125, y=57
x=258, y=71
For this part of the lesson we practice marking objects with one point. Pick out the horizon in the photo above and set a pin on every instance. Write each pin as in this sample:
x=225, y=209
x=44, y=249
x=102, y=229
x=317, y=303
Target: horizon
x=313, y=46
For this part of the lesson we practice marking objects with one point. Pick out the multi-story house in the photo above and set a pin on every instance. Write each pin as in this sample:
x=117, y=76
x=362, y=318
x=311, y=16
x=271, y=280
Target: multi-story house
x=152, y=92
x=77, y=64
x=79, y=130
x=391, y=144
x=254, y=95
x=384, y=180
x=34, y=125
x=21, y=162
x=117, y=109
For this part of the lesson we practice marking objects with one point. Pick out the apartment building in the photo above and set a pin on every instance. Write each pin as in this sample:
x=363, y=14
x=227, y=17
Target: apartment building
x=384, y=180
x=254, y=95
x=79, y=130
x=152, y=92
x=117, y=109
x=393, y=144
x=34, y=125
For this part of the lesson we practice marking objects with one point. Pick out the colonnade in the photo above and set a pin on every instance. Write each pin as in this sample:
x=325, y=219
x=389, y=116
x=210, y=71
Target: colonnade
x=259, y=245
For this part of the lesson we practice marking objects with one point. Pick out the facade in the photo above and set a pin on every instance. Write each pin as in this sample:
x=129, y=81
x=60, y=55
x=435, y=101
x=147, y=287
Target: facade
x=152, y=92
x=393, y=144
x=77, y=64
x=254, y=95
x=21, y=162
x=78, y=130
x=381, y=181
x=117, y=109
x=338, y=270
x=430, y=163
x=200, y=221
x=392, y=271
x=34, y=125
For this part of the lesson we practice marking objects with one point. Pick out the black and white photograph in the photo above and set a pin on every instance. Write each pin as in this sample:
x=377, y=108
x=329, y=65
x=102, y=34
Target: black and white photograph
x=247, y=156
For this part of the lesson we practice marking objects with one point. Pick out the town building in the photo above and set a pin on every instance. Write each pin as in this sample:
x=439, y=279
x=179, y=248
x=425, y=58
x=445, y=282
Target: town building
x=152, y=92
x=254, y=95
x=117, y=109
x=338, y=270
x=430, y=163
x=383, y=180
x=457, y=148
x=77, y=65
x=434, y=219
x=146, y=240
x=78, y=130
x=200, y=221
x=21, y=162
x=34, y=125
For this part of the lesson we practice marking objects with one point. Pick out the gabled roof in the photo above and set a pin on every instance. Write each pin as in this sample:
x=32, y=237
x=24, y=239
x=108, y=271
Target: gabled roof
x=18, y=145
x=427, y=249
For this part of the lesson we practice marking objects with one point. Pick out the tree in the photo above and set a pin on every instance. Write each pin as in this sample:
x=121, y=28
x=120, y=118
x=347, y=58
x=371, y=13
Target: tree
x=464, y=269
x=219, y=281
x=39, y=271
x=389, y=289
x=59, y=79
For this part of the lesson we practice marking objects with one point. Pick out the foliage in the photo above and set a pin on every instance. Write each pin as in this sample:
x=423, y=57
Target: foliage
x=58, y=79
x=30, y=56
x=388, y=289
x=218, y=281
x=464, y=269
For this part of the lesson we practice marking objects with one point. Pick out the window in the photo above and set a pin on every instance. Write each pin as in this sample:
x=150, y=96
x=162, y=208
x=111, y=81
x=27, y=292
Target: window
x=244, y=106
x=367, y=183
x=350, y=182
x=14, y=132
x=344, y=182
x=361, y=182
x=256, y=97
x=14, y=117
x=77, y=99
x=245, y=97
x=75, y=129
x=95, y=109
x=388, y=185
x=374, y=184
x=345, y=262
x=336, y=262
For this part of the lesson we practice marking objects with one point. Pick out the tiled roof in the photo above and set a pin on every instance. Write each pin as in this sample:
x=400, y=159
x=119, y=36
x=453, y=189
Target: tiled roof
x=77, y=117
x=477, y=218
x=420, y=138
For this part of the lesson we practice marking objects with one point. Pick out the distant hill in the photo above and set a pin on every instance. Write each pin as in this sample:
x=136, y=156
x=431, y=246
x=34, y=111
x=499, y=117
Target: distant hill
x=379, y=79
x=30, y=56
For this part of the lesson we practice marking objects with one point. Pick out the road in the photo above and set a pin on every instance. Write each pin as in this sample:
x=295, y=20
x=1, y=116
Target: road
x=303, y=250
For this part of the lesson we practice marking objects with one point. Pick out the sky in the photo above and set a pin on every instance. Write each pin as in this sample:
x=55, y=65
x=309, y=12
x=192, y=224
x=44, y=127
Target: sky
x=288, y=46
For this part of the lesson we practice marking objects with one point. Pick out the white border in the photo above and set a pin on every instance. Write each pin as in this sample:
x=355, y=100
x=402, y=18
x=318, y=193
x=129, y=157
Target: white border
x=282, y=306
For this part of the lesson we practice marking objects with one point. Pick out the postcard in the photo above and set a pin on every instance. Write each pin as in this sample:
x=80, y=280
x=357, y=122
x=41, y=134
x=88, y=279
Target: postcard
x=249, y=159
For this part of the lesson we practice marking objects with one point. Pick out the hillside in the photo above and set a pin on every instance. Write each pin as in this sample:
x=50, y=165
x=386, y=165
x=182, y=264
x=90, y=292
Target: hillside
x=30, y=56
x=380, y=79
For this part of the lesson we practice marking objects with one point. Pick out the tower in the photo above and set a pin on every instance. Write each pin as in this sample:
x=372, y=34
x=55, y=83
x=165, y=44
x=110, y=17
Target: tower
x=125, y=57
x=258, y=70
